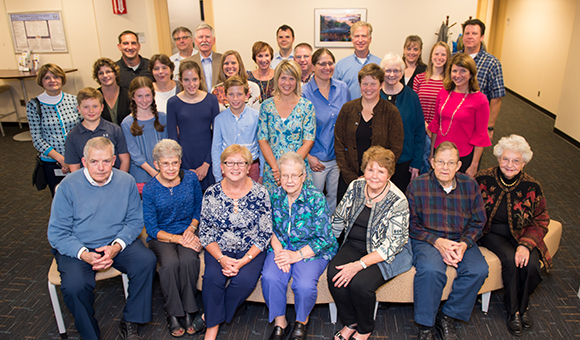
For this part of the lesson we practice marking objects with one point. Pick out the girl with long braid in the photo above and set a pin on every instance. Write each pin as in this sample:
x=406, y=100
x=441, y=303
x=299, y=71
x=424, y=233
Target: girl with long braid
x=143, y=128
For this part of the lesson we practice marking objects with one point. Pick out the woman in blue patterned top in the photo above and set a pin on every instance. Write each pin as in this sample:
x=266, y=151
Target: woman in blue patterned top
x=301, y=247
x=59, y=115
x=236, y=226
x=287, y=123
x=171, y=208
x=374, y=214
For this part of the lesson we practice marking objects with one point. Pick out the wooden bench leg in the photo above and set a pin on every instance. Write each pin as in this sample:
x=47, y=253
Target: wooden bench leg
x=333, y=312
x=485, y=297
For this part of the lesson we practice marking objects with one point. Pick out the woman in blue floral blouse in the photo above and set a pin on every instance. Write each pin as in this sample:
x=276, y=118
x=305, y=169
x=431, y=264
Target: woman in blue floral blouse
x=235, y=229
x=287, y=123
x=374, y=214
x=301, y=247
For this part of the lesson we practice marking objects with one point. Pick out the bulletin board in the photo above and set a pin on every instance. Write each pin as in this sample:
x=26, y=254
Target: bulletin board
x=38, y=32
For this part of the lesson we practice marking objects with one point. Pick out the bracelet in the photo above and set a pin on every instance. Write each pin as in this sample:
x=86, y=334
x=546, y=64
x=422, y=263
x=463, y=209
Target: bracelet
x=220, y=258
x=250, y=256
x=170, y=237
x=193, y=226
x=364, y=265
x=301, y=255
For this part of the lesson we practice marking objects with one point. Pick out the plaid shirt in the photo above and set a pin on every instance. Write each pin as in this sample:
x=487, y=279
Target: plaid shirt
x=489, y=75
x=458, y=216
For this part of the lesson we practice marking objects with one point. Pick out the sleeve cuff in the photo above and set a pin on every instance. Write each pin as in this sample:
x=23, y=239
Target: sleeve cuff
x=120, y=242
x=47, y=151
x=82, y=250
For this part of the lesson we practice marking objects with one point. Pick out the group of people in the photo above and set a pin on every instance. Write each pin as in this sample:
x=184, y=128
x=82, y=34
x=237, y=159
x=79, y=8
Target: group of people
x=363, y=167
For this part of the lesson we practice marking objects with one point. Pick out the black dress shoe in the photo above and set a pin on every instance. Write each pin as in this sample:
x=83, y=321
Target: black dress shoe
x=514, y=324
x=298, y=332
x=445, y=325
x=426, y=334
x=279, y=333
x=527, y=320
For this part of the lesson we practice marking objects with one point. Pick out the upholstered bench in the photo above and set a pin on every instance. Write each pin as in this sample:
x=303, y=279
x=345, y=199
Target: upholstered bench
x=400, y=289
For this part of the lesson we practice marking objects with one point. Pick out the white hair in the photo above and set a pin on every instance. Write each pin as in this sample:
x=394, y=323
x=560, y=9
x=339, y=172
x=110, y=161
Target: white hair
x=514, y=143
x=392, y=58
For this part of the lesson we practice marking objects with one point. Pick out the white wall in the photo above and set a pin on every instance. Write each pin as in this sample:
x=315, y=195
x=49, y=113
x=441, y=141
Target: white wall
x=535, y=46
x=239, y=24
x=568, y=118
x=91, y=29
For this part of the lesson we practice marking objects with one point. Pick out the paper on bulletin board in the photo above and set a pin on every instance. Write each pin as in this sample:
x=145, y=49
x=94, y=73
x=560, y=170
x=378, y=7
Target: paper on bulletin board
x=38, y=32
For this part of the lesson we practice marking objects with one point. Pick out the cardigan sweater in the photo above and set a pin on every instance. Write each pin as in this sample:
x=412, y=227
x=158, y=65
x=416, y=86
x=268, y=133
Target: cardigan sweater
x=528, y=217
x=387, y=132
x=123, y=106
x=388, y=227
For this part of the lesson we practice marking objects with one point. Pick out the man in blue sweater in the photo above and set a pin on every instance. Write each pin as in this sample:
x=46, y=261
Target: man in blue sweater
x=95, y=219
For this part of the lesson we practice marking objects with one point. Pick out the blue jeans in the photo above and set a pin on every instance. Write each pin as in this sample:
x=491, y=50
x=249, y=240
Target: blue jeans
x=431, y=279
x=304, y=285
x=328, y=176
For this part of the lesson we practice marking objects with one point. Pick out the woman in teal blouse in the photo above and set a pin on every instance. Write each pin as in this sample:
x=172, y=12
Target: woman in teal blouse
x=301, y=247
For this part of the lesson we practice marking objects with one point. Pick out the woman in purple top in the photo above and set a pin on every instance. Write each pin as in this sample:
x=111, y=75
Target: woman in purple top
x=190, y=116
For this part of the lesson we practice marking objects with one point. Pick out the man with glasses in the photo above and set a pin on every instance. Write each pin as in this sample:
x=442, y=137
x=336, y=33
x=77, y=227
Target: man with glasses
x=183, y=39
x=303, y=55
x=447, y=218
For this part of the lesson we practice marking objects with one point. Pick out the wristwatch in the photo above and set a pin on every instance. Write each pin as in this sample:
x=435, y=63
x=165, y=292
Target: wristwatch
x=490, y=128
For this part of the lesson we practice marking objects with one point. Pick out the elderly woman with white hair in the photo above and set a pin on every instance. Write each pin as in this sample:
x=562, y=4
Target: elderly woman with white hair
x=517, y=221
x=171, y=210
x=301, y=246
x=409, y=106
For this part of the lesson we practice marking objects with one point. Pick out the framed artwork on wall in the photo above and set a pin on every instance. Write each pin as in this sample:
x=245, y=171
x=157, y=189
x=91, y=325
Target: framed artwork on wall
x=332, y=26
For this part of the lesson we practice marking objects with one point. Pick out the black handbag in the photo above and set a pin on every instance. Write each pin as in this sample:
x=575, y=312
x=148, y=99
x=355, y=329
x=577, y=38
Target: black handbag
x=38, y=176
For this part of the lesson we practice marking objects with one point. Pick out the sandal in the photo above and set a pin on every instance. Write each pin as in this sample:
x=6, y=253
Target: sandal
x=339, y=335
x=175, y=327
x=194, y=324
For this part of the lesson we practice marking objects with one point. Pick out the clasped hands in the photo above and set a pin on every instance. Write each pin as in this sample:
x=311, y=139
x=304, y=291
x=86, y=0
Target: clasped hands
x=189, y=240
x=104, y=260
x=284, y=258
x=451, y=251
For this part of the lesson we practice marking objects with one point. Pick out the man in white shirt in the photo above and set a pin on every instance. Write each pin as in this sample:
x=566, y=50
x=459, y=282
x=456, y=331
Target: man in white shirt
x=206, y=58
x=183, y=39
x=285, y=40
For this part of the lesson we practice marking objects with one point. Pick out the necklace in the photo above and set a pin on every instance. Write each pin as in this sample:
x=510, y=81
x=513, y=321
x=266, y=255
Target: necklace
x=369, y=200
x=504, y=183
x=453, y=115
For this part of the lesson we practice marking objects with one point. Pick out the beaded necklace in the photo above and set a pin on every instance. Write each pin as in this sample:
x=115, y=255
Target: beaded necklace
x=453, y=115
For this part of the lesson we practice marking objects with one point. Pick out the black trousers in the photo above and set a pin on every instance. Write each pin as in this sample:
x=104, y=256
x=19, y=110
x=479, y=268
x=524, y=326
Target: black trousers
x=355, y=302
x=518, y=283
x=402, y=177
x=466, y=162
x=178, y=272
x=51, y=179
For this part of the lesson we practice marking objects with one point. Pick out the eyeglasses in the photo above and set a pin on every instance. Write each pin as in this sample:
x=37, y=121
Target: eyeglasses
x=505, y=161
x=395, y=72
x=293, y=176
x=232, y=164
x=168, y=164
x=324, y=64
x=441, y=163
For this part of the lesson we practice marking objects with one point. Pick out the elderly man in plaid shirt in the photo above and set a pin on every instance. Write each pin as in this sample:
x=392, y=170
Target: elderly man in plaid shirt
x=489, y=72
x=447, y=218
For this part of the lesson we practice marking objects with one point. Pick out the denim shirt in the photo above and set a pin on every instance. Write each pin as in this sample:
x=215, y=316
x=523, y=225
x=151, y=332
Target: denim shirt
x=388, y=228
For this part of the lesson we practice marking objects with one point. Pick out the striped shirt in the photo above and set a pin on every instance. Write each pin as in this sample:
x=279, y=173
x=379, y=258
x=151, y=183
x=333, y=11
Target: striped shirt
x=458, y=215
x=427, y=91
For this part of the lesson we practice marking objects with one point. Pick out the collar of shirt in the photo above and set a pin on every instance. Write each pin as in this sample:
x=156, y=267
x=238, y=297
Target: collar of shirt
x=210, y=58
x=277, y=55
x=92, y=181
x=242, y=114
x=366, y=59
x=83, y=129
x=45, y=98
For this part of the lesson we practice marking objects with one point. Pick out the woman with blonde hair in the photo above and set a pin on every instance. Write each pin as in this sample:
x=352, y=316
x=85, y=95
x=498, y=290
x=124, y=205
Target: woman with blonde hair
x=412, y=56
x=287, y=123
x=427, y=86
